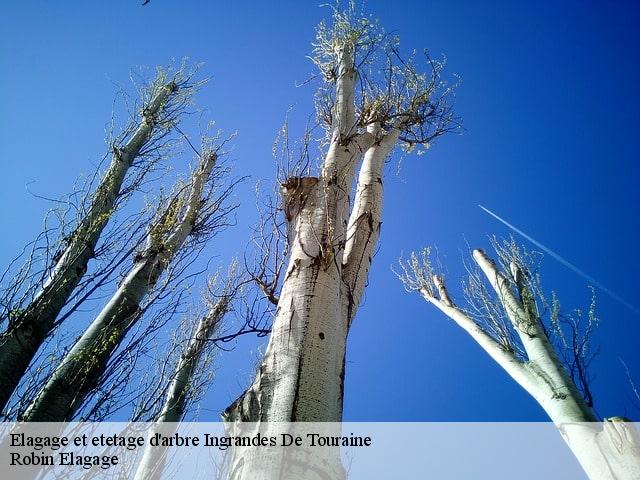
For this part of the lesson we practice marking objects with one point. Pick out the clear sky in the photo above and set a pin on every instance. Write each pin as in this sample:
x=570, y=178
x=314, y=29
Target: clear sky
x=550, y=107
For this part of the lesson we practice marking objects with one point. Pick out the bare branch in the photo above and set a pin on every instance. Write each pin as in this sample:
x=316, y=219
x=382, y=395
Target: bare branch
x=417, y=275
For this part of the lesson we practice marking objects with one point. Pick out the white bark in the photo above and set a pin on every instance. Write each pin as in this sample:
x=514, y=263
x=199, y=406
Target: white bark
x=609, y=453
x=301, y=377
x=556, y=391
x=179, y=391
x=306, y=301
x=82, y=367
x=504, y=358
x=21, y=341
x=365, y=220
x=345, y=111
x=302, y=373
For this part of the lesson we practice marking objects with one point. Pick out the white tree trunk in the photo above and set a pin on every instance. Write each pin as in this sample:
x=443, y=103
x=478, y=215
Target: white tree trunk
x=175, y=403
x=22, y=339
x=302, y=372
x=559, y=394
x=332, y=240
x=307, y=307
x=82, y=367
x=608, y=451
x=365, y=220
x=301, y=377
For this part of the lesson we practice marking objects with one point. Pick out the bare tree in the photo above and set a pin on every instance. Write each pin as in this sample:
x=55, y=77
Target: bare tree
x=370, y=101
x=544, y=350
x=185, y=384
x=195, y=211
x=52, y=275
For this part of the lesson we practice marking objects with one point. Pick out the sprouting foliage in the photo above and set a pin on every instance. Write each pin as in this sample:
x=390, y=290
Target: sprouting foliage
x=570, y=333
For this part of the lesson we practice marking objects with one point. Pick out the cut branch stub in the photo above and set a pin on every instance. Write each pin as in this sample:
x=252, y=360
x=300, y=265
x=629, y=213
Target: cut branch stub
x=295, y=192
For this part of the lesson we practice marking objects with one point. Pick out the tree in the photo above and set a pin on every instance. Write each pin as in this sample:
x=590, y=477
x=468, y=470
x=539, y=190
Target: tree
x=183, y=385
x=31, y=305
x=196, y=210
x=549, y=359
x=369, y=102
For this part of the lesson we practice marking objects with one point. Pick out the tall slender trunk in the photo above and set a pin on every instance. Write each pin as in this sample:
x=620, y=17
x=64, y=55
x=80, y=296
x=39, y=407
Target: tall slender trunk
x=28, y=330
x=178, y=393
x=365, y=220
x=82, y=367
x=302, y=373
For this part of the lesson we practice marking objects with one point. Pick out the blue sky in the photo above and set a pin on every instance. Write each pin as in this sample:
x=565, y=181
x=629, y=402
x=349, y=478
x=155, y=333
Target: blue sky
x=550, y=108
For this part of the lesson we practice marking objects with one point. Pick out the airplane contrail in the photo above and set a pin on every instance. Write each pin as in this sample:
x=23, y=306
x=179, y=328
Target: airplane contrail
x=567, y=264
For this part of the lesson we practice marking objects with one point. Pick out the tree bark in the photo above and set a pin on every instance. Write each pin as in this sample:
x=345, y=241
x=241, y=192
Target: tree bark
x=83, y=366
x=302, y=373
x=606, y=451
x=27, y=332
x=365, y=220
x=301, y=377
x=332, y=240
x=175, y=403
x=557, y=394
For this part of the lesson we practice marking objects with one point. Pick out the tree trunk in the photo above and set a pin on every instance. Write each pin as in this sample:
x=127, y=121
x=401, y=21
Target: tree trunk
x=302, y=372
x=27, y=332
x=608, y=451
x=175, y=403
x=301, y=377
x=83, y=366
x=333, y=236
x=555, y=390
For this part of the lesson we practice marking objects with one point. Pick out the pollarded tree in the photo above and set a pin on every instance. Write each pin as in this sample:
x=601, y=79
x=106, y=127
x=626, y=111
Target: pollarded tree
x=31, y=304
x=545, y=351
x=370, y=102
